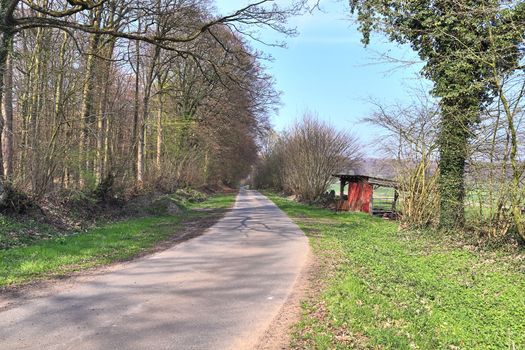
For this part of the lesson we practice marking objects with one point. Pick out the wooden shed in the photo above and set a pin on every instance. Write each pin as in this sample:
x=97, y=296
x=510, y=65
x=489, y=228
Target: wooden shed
x=360, y=195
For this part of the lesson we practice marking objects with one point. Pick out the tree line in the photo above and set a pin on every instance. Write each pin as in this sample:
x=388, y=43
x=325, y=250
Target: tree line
x=130, y=94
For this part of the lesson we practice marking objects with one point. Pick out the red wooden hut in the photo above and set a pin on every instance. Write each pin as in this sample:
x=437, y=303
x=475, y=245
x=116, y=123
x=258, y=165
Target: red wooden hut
x=360, y=196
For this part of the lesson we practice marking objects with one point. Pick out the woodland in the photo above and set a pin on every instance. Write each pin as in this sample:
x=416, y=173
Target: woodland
x=125, y=96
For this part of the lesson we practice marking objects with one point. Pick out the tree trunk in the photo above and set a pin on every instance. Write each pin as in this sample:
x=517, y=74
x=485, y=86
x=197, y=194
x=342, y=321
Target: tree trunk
x=140, y=152
x=87, y=101
x=134, y=136
x=4, y=52
x=23, y=116
x=108, y=167
x=101, y=171
x=34, y=113
x=159, y=137
x=142, y=136
x=50, y=164
x=7, y=111
x=453, y=154
x=150, y=78
x=7, y=7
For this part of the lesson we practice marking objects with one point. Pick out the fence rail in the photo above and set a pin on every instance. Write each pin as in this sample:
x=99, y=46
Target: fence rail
x=383, y=204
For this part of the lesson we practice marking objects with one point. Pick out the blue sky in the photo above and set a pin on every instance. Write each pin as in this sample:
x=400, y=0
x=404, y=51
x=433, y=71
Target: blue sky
x=326, y=69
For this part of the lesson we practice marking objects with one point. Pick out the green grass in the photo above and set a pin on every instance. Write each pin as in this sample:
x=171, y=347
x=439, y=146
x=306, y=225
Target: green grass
x=120, y=241
x=389, y=289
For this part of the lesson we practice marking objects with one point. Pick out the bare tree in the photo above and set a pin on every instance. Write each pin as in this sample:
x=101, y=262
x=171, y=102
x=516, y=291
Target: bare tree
x=313, y=152
x=412, y=140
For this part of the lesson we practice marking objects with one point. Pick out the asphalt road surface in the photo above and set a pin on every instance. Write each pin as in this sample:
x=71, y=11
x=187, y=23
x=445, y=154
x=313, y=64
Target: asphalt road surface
x=218, y=291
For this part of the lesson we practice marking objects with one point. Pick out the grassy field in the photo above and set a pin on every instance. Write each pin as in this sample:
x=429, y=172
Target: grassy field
x=120, y=241
x=386, y=289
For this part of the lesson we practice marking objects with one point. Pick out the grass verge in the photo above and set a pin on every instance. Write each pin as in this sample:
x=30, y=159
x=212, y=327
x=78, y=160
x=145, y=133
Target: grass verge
x=388, y=289
x=63, y=255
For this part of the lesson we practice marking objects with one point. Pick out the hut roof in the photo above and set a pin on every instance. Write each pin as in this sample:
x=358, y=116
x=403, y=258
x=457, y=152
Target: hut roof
x=376, y=181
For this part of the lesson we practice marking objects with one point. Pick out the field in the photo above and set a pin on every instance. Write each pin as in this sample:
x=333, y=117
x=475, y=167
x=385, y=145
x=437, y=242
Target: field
x=383, y=197
x=63, y=255
x=381, y=288
x=379, y=192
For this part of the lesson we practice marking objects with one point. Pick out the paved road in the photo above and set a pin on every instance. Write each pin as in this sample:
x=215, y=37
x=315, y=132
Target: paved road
x=218, y=291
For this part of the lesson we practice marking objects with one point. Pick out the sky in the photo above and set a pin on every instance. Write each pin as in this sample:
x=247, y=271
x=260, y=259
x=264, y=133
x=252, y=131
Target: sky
x=327, y=70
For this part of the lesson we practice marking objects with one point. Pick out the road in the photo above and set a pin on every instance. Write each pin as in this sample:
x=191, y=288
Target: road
x=218, y=291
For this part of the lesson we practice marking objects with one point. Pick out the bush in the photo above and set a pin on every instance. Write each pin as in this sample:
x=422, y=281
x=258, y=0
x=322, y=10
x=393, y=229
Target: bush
x=311, y=153
x=15, y=201
x=419, y=195
x=191, y=195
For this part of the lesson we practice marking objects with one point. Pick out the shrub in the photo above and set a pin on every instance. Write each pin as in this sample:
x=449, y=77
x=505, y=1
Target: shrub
x=312, y=152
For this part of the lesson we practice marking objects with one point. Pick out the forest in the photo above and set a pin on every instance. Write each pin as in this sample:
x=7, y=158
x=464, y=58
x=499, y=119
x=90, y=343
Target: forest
x=130, y=95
